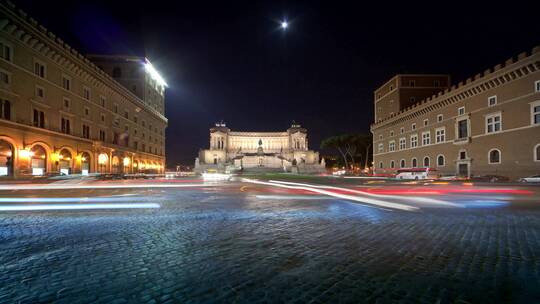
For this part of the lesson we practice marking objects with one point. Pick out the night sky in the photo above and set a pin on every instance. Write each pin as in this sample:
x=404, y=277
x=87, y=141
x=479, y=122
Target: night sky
x=230, y=61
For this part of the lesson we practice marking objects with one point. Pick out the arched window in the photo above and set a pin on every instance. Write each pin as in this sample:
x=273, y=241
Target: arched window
x=380, y=165
x=116, y=72
x=402, y=163
x=426, y=162
x=392, y=164
x=537, y=152
x=494, y=156
x=440, y=161
x=414, y=163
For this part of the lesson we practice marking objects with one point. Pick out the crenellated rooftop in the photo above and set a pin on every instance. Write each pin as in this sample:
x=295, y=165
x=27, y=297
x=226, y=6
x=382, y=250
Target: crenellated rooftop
x=513, y=68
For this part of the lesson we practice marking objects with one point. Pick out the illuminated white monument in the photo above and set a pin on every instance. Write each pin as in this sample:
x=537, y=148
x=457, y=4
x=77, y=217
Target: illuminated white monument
x=264, y=151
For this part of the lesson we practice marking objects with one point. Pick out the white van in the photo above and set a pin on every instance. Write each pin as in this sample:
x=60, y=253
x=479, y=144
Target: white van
x=417, y=173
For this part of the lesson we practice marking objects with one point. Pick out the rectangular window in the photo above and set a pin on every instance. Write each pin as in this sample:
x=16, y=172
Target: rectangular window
x=493, y=123
x=401, y=130
x=392, y=146
x=436, y=83
x=5, y=78
x=66, y=82
x=67, y=103
x=537, y=86
x=440, y=135
x=126, y=115
x=535, y=113
x=86, y=131
x=439, y=118
x=426, y=138
x=115, y=108
x=40, y=92
x=391, y=133
x=426, y=122
x=492, y=101
x=5, y=51
x=412, y=83
x=102, y=101
x=136, y=145
x=86, y=93
x=413, y=126
x=102, y=117
x=5, y=109
x=461, y=111
x=66, y=126
x=101, y=135
x=40, y=69
x=115, y=138
x=135, y=119
x=463, y=129
x=414, y=141
x=39, y=119
x=86, y=111
x=402, y=144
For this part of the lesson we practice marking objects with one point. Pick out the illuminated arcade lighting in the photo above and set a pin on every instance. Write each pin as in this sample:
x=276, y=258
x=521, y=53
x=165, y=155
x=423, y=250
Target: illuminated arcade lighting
x=126, y=161
x=102, y=159
x=154, y=73
x=23, y=153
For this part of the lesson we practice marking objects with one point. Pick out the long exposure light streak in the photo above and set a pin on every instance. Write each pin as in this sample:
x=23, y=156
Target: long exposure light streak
x=415, y=198
x=374, y=202
x=95, y=186
x=77, y=207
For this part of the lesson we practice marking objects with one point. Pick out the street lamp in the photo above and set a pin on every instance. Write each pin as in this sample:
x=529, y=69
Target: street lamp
x=284, y=24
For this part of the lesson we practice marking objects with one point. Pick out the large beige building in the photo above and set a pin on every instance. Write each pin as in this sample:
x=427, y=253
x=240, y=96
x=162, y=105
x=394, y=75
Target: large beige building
x=280, y=151
x=62, y=112
x=488, y=124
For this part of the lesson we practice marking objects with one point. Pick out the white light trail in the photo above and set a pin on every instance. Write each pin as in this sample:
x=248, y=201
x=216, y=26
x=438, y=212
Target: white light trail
x=76, y=207
x=415, y=198
x=95, y=186
x=370, y=201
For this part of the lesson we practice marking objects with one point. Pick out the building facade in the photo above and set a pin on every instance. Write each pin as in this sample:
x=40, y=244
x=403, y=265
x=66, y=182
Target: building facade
x=489, y=124
x=278, y=151
x=62, y=112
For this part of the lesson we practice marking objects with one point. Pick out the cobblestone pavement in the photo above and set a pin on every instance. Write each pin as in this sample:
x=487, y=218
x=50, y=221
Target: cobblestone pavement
x=214, y=246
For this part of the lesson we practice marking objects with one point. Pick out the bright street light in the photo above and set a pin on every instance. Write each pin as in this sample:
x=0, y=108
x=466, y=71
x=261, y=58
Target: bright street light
x=284, y=25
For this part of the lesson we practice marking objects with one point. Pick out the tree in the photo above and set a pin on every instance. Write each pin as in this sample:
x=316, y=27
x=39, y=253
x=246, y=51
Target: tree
x=350, y=147
x=336, y=142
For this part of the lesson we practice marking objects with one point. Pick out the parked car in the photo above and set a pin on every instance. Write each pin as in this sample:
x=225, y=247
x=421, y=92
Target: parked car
x=530, y=179
x=490, y=178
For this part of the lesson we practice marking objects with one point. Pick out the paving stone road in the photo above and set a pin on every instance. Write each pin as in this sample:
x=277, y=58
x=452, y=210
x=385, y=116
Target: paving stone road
x=212, y=246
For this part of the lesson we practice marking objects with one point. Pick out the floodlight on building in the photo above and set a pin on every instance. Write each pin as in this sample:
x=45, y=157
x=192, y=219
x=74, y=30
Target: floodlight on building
x=126, y=161
x=154, y=73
